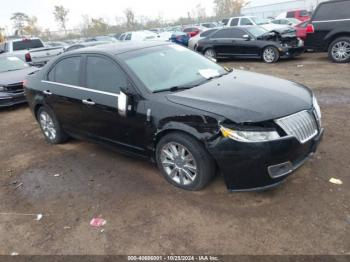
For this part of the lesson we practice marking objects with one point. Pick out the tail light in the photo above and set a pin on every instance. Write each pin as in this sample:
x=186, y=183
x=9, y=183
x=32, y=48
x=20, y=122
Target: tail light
x=310, y=29
x=28, y=57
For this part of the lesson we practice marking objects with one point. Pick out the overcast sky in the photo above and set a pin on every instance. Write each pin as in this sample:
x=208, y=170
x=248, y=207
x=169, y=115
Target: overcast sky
x=109, y=9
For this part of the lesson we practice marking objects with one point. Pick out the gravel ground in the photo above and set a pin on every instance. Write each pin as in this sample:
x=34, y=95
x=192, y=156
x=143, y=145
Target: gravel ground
x=72, y=183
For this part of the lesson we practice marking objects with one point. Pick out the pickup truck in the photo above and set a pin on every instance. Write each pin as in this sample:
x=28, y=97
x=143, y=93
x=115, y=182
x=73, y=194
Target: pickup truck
x=30, y=50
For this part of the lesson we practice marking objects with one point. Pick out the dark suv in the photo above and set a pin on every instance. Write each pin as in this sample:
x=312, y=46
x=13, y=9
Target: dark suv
x=329, y=30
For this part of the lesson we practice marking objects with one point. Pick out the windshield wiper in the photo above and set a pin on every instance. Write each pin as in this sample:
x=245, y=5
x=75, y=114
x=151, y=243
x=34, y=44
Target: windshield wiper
x=175, y=88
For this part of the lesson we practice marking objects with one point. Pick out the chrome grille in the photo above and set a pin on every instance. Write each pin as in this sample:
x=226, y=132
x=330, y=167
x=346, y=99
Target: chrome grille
x=302, y=125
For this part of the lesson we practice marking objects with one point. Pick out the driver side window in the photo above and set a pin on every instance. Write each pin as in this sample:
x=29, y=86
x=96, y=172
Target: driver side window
x=104, y=75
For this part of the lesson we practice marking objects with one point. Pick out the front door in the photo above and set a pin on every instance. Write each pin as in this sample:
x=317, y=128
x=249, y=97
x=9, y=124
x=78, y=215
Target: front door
x=103, y=80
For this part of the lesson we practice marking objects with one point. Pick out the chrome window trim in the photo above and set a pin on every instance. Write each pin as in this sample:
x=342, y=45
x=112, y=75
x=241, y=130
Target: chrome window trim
x=82, y=88
x=329, y=21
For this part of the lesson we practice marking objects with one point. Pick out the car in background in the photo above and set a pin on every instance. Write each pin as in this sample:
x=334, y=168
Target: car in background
x=301, y=29
x=138, y=36
x=85, y=44
x=30, y=50
x=104, y=38
x=180, y=38
x=209, y=24
x=192, y=43
x=13, y=72
x=193, y=30
x=301, y=15
x=253, y=21
x=251, y=42
x=329, y=30
x=286, y=21
x=190, y=115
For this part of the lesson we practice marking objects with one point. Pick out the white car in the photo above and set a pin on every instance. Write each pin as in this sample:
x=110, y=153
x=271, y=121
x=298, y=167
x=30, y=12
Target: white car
x=138, y=36
x=286, y=21
x=252, y=20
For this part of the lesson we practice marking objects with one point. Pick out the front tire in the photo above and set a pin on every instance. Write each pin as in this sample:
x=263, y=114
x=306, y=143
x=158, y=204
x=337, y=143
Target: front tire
x=50, y=126
x=184, y=162
x=270, y=55
x=339, y=50
x=210, y=53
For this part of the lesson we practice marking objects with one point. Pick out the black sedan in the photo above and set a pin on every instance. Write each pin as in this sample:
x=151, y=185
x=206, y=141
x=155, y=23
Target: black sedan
x=12, y=74
x=251, y=42
x=172, y=105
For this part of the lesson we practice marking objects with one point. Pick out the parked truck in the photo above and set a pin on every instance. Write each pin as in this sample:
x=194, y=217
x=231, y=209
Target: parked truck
x=30, y=50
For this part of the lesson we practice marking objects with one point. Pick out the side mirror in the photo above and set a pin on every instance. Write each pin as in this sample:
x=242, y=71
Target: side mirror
x=123, y=103
x=246, y=37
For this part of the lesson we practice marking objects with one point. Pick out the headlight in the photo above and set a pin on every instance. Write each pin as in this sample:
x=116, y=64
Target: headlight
x=249, y=136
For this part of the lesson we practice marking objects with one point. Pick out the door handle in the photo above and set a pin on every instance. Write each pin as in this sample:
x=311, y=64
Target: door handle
x=88, y=102
x=47, y=92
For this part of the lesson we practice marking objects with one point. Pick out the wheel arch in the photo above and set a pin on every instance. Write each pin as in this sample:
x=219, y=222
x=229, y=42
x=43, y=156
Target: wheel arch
x=331, y=37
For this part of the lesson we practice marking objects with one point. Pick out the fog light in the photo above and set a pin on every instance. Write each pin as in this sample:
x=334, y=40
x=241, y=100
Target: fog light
x=280, y=170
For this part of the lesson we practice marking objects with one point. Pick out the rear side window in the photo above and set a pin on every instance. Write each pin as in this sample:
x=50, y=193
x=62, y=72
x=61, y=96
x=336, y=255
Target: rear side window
x=27, y=44
x=208, y=32
x=104, y=75
x=67, y=71
x=225, y=21
x=234, y=22
x=224, y=33
x=333, y=11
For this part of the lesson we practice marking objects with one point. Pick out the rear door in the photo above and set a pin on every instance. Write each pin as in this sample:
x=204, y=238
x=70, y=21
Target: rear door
x=222, y=42
x=62, y=93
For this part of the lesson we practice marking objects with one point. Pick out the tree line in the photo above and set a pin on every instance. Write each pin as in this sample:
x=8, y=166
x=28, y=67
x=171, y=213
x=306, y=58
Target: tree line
x=24, y=24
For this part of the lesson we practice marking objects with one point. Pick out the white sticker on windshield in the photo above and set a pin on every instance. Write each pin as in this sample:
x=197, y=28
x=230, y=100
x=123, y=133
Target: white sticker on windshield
x=179, y=48
x=12, y=58
x=208, y=73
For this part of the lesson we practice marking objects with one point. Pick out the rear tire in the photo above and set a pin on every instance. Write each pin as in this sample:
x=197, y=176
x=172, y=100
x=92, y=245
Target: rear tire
x=184, y=162
x=50, y=126
x=339, y=50
x=270, y=55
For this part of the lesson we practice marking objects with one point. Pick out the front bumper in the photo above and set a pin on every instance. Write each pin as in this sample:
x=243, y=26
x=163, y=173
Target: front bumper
x=258, y=166
x=288, y=52
x=10, y=99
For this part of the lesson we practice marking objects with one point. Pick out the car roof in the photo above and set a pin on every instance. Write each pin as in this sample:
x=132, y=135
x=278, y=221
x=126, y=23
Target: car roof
x=119, y=48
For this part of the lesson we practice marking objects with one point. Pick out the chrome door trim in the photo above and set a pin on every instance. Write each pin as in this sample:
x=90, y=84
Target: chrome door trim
x=329, y=21
x=82, y=88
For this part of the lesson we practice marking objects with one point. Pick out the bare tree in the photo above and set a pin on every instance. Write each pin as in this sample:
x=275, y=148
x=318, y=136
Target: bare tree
x=61, y=16
x=19, y=22
x=32, y=27
x=201, y=12
x=130, y=18
x=228, y=8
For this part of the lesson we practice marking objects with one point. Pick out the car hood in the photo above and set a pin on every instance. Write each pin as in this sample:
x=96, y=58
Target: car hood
x=244, y=97
x=14, y=77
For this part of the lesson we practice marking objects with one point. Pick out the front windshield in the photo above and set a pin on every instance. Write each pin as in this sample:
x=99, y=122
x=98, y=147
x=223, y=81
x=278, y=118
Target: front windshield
x=260, y=21
x=163, y=67
x=11, y=64
x=257, y=31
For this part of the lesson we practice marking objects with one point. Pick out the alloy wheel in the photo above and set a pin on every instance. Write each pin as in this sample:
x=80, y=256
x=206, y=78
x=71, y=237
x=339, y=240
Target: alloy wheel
x=209, y=53
x=269, y=55
x=178, y=163
x=341, y=51
x=47, y=125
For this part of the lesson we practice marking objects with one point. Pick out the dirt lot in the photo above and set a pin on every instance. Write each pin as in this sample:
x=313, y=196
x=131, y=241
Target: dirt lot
x=145, y=215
